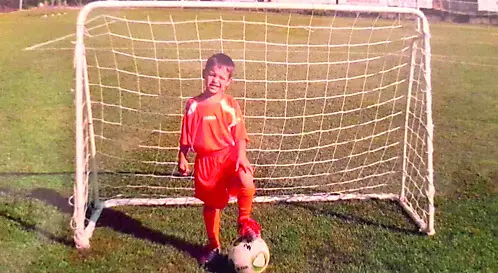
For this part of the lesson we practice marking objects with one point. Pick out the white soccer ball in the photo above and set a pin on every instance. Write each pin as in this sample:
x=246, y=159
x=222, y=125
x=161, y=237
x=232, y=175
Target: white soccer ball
x=249, y=257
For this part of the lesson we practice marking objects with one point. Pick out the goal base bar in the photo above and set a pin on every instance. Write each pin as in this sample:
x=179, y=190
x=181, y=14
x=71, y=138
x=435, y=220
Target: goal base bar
x=82, y=238
x=424, y=227
x=291, y=198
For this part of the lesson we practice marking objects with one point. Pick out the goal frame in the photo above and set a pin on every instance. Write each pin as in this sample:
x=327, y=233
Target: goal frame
x=84, y=226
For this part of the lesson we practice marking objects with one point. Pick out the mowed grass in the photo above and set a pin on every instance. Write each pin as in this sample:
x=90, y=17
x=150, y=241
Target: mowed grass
x=37, y=140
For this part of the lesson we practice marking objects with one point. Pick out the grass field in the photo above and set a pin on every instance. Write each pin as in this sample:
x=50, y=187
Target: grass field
x=36, y=176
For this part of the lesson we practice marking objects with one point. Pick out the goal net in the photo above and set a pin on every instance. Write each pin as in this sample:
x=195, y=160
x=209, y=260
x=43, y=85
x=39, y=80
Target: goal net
x=336, y=99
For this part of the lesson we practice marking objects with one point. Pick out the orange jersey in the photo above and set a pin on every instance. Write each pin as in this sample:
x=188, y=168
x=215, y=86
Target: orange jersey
x=212, y=126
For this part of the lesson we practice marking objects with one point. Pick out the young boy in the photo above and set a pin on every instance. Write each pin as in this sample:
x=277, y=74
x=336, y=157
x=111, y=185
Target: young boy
x=214, y=129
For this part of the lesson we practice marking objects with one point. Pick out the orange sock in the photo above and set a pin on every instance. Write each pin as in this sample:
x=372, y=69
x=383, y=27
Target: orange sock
x=244, y=200
x=212, y=219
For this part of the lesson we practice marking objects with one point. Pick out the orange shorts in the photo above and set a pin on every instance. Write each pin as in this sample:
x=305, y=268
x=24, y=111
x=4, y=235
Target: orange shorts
x=215, y=178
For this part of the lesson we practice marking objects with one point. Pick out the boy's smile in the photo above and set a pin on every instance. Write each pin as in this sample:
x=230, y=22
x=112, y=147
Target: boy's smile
x=217, y=79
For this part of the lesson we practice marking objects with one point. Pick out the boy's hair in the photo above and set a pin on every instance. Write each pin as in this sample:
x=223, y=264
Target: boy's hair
x=219, y=59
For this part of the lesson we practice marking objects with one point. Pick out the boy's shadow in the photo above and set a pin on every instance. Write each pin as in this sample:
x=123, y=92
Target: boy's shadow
x=123, y=223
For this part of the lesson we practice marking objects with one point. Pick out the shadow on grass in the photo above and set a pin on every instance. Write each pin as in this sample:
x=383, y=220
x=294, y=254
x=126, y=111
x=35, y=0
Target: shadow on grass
x=123, y=223
x=33, y=228
x=27, y=226
x=387, y=208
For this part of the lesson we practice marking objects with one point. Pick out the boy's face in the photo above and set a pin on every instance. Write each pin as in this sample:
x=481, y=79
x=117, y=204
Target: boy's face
x=217, y=79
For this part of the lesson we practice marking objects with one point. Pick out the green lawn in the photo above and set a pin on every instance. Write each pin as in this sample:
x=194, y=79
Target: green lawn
x=37, y=144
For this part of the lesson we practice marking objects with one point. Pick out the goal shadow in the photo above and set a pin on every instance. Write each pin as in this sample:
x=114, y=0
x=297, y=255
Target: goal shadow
x=122, y=223
x=356, y=213
x=28, y=225
x=119, y=222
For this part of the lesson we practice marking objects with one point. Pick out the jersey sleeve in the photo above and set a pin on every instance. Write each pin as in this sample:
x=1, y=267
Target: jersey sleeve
x=239, y=131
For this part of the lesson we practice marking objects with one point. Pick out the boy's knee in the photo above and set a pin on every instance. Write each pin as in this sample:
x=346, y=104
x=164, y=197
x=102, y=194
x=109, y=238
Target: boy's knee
x=248, y=188
x=247, y=184
x=246, y=179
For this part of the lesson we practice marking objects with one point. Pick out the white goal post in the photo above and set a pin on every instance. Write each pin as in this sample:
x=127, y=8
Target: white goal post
x=336, y=99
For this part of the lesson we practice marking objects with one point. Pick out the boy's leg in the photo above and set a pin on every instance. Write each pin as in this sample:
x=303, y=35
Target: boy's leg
x=212, y=218
x=214, y=196
x=245, y=195
x=246, y=190
x=212, y=223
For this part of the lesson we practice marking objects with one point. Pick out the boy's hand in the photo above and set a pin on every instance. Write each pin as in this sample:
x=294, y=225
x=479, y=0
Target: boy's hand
x=243, y=164
x=182, y=161
x=183, y=166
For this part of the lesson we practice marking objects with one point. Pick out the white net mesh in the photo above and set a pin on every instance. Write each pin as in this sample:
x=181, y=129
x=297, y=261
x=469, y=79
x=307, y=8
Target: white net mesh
x=326, y=96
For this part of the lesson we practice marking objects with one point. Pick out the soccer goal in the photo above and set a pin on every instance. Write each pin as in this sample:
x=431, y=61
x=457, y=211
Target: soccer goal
x=337, y=102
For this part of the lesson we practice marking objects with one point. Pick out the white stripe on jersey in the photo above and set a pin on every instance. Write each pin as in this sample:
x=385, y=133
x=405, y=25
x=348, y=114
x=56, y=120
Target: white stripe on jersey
x=225, y=107
x=192, y=108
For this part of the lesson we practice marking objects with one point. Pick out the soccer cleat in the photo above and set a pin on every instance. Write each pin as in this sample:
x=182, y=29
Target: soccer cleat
x=209, y=256
x=249, y=229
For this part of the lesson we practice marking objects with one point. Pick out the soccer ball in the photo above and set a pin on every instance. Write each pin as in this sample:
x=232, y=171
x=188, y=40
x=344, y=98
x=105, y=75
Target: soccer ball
x=249, y=257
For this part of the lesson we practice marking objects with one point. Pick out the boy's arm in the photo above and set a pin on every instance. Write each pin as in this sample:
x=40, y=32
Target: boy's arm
x=239, y=134
x=185, y=143
x=242, y=161
x=241, y=147
x=182, y=160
